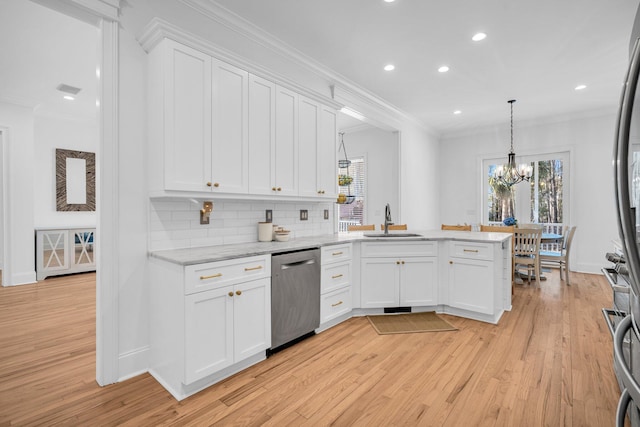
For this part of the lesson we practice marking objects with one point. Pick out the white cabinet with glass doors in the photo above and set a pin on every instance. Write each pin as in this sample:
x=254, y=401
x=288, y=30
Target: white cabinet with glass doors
x=64, y=251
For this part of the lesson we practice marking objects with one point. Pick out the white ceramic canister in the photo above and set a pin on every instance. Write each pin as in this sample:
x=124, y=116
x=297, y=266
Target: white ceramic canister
x=265, y=232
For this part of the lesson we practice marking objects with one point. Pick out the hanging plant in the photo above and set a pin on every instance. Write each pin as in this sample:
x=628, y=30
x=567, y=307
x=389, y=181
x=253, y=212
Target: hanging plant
x=344, y=180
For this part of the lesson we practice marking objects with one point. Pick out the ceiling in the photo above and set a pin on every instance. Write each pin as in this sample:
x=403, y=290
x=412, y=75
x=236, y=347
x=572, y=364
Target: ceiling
x=42, y=49
x=536, y=52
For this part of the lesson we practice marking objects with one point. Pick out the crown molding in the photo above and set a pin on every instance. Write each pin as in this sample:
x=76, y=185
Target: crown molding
x=358, y=95
x=90, y=11
x=159, y=29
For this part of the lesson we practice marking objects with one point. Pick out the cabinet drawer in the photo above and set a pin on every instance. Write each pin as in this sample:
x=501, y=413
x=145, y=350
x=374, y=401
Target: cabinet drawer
x=335, y=276
x=400, y=248
x=335, y=253
x=471, y=250
x=334, y=304
x=202, y=277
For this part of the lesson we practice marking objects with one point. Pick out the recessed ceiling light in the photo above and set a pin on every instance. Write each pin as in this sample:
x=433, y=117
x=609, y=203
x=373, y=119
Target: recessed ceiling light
x=457, y=112
x=580, y=87
x=68, y=97
x=389, y=1
x=478, y=36
x=443, y=69
x=389, y=67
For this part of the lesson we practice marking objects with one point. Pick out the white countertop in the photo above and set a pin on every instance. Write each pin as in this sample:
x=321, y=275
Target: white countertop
x=190, y=256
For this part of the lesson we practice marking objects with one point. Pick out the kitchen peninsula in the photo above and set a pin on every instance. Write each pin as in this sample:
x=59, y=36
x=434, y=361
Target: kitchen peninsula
x=210, y=314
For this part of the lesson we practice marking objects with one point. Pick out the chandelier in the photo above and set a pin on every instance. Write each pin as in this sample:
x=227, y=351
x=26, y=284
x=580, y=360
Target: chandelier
x=511, y=173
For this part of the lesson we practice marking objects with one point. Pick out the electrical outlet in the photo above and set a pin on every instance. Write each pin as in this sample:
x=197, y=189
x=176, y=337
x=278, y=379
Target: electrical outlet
x=304, y=214
x=268, y=215
x=326, y=214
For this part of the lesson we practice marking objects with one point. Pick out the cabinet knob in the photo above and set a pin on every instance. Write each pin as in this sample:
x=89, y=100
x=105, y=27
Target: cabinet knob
x=398, y=262
x=230, y=294
x=216, y=184
x=238, y=293
x=279, y=188
x=403, y=262
x=208, y=184
x=450, y=262
x=274, y=189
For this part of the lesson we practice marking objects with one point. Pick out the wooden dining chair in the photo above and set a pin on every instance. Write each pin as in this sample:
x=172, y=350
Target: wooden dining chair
x=366, y=227
x=456, y=227
x=527, y=251
x=395, y=226
x=560, y=259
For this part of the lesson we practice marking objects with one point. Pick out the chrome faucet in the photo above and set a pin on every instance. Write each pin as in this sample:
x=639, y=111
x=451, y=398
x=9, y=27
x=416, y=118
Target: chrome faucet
x=387, y=219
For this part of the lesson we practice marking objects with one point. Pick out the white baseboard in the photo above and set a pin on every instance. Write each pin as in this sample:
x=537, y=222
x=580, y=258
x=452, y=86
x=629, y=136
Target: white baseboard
x=133, y=363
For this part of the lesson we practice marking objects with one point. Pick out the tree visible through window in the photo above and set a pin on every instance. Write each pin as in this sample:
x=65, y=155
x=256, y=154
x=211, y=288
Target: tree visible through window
x=540, y=200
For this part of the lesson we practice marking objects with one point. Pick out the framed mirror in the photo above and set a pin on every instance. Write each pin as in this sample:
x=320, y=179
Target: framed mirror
x=75, y=180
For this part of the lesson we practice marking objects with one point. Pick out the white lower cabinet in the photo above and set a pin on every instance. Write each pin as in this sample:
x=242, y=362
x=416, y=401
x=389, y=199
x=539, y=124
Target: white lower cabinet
x=469, y=285
x=335, y=279
x=224, y=326
x=476, y=279
x=201, y=337
x=399, y=275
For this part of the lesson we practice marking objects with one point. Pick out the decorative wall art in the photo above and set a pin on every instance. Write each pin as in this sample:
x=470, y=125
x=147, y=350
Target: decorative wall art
x=75, y=180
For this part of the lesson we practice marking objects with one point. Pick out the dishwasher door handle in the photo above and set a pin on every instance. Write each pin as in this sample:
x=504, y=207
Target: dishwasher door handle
x=298, y=263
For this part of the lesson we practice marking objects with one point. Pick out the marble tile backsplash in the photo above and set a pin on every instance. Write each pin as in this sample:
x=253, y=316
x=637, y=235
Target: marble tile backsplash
x=175, y=223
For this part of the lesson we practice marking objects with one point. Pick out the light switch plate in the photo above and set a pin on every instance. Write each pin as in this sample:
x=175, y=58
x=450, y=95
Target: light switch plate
x=304, y=214
x=268, y=215
x=326, y=214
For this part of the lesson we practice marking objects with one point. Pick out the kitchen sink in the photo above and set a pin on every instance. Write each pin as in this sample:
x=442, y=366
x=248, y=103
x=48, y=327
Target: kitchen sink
x=392, y=235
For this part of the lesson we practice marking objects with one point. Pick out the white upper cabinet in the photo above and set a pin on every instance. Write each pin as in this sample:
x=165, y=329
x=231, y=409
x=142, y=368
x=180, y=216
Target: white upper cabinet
x=327, y=153
x=262, y=135
x=215, y=128
x=286, y=153
x=309, y=113
x=230, y=143
x=200, y=117
x=317, y=153
x=185, y=111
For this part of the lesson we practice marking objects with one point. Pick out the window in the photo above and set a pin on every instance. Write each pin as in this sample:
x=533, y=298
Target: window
x=354, y=213
x=542, y=200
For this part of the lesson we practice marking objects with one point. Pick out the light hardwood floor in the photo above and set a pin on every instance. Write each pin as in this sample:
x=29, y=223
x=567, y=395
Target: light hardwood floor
x=548, y=362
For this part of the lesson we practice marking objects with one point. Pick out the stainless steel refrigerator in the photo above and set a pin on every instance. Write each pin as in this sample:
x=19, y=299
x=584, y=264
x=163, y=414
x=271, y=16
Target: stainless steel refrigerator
x=626, y=165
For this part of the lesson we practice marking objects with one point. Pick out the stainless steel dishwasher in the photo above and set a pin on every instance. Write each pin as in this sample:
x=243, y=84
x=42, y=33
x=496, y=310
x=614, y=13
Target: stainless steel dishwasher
x=295, y=296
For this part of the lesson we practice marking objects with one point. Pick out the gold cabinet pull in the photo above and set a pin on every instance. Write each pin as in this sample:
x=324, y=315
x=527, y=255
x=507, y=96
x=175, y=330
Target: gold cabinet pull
x=470, y=250
x=253, y=268
x=216, y=184
x=213, y=276
x=208, y=184
x=230, y=294
x=336, y=276
x=238, y=293
x=450, y=262
x=398, y=262
x=336, y=304
x=336, y=253
x=403, y=262
x=279, y=188
x=273, y=188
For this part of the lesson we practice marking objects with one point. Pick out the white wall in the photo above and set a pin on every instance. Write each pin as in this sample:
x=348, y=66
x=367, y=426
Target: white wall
x=380, y=149
x=66, y=133
x=18, y=122
x=420, y=168
x=590, y=140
